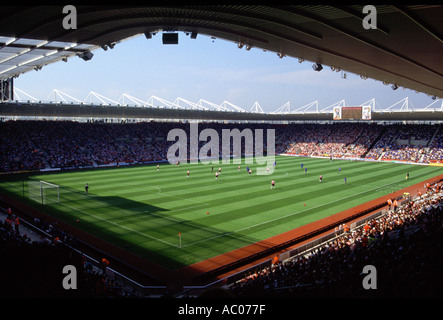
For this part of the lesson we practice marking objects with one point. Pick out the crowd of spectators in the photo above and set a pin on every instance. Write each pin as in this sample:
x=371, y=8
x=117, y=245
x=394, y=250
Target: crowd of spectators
x=57, y=142
x=421, y=132
x=16, y=149
x=339, y=140
x=404, y=246
x=33, y=145
x=403, y=153
x=30, y=145
x=409, y=143
x=435, y=152
x=400, y=142
x=335, y=139
x=31, y=265
x=383, y=140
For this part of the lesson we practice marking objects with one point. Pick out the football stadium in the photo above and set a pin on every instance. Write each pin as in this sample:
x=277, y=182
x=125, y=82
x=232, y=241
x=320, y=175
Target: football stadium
x=132, y=198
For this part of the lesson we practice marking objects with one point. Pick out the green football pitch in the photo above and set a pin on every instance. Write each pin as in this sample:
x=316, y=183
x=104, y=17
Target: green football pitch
x=175, y=221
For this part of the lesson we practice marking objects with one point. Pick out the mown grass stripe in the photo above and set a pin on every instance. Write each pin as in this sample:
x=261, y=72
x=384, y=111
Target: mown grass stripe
x=144, y=210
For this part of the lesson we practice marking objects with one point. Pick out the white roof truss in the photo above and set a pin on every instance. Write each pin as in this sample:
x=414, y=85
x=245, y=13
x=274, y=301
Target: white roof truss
x=193, y=105
x=310, y=107
x=256, y=108
x=286, y=108
x=126, y=98
x=103, y=100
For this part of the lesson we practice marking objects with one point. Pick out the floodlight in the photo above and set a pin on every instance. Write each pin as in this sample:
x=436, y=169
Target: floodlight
x=86, y=55
x=317, y=67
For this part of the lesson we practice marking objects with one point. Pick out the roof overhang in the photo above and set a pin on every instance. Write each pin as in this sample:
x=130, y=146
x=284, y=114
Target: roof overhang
x=78, y=111
x=405, y=49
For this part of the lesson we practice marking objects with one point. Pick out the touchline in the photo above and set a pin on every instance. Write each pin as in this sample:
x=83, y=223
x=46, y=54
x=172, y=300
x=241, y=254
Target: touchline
x=210, y=151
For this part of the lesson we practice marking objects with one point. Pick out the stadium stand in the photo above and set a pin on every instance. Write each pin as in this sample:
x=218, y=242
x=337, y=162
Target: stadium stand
x=405, y=244
x=34, y=145
x=32, y=258
x=434, y=153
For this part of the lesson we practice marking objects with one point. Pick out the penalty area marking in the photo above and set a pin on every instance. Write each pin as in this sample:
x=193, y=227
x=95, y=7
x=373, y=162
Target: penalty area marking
x=199, y=204
x=120, y=226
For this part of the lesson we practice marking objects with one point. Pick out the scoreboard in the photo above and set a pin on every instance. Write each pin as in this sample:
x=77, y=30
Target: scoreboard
x=352, y=113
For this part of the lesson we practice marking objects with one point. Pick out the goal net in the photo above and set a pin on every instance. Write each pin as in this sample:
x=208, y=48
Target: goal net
x=43, y=192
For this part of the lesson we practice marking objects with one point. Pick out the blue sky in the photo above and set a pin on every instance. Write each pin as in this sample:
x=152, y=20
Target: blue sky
x=204, y=68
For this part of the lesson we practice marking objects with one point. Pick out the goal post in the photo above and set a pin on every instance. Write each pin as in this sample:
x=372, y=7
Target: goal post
x=43, y=192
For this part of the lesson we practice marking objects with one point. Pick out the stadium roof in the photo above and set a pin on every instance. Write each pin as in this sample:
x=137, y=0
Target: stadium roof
x=405, y=49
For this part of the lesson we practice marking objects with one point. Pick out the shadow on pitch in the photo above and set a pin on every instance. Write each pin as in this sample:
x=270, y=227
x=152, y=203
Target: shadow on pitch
x=129, y=219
